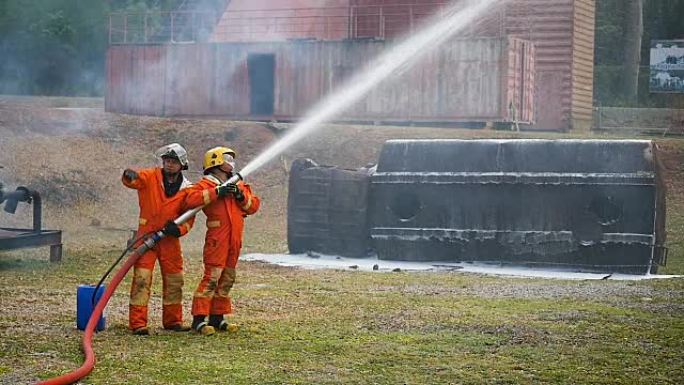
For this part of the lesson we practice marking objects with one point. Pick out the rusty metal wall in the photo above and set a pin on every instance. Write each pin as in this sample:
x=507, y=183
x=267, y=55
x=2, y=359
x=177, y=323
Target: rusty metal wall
x=521, y=79
x=136, y=79
x=550, y=26
x=563, y=34
x=561, y=30
x=583, y=63
x=199, y=79
x=467, y=80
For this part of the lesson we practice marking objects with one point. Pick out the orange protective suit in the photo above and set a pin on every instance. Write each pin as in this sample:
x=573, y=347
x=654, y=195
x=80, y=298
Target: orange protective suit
x=223, y=241
x=155, y=210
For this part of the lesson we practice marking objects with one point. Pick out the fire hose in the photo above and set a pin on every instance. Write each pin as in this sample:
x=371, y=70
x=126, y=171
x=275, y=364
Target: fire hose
x=148, y=243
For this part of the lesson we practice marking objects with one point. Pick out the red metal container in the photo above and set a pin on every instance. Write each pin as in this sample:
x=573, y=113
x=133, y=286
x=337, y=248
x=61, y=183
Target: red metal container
x=136, y=76
x=467, y=80
x=561, y=30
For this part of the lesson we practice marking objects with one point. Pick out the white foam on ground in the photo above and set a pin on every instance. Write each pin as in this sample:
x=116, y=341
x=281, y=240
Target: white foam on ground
x=76, y=108
x=321, y=261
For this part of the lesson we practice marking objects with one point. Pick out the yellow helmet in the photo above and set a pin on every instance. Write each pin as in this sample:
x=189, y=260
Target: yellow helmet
x=218, y=156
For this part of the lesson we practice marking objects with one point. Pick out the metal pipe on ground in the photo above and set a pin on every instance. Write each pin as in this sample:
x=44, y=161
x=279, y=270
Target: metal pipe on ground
x=17, y=238
x=23, y=194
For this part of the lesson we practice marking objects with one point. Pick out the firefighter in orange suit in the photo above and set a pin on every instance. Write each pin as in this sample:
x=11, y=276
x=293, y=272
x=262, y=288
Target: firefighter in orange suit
x=161, y=193
x=227, y=207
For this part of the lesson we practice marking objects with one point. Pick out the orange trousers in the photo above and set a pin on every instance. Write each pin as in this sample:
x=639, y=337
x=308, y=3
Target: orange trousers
x=212, y=294
x=172, y=292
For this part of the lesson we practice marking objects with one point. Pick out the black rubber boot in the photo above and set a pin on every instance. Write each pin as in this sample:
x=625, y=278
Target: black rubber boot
x=201, y=326
x=196, y=320
x=217, y=321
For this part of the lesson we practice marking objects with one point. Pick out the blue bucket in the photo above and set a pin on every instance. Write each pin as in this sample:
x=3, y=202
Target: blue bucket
x=84, y=306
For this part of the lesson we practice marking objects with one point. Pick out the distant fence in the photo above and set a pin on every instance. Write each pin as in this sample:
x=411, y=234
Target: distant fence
x=324, y=23
x=161, y=27
x=246, y=25
x=655, y=120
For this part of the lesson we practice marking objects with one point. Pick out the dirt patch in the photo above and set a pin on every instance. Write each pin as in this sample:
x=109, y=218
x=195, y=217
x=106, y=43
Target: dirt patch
x=74, y=158
x=672, y=160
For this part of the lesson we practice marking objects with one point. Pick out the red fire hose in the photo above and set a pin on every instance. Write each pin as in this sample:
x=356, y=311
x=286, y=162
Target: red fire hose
x=89, y=361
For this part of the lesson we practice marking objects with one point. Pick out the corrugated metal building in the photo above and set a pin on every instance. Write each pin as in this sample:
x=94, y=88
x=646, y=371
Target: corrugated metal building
x=561, y=76
x=563, y=34
x=282, y=80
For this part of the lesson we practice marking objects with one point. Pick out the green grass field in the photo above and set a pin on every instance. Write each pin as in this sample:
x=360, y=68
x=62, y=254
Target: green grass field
x=325, y=326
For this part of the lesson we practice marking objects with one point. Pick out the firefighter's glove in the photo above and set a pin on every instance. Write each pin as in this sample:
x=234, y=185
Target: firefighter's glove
x=230, y=189
x=171, y=229
x=222, y=191
x=130, y=174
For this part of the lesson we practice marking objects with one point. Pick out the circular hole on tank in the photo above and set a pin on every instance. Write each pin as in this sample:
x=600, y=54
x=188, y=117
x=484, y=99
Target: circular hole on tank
x=607, y=210
x=405, y=206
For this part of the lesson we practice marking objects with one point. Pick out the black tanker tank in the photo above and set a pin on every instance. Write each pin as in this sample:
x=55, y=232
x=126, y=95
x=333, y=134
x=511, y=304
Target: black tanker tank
x=586, y=205
x=327, y=210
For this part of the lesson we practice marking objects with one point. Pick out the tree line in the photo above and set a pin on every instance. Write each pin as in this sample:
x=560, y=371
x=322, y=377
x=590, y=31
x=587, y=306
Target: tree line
x=624, y=30
x=57, y=47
